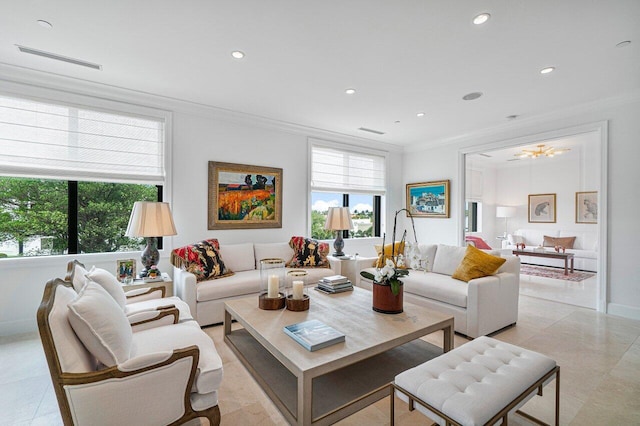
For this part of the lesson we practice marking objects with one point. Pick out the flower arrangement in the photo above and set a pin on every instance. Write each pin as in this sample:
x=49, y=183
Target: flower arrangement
x=393, y=269
x=387, y=275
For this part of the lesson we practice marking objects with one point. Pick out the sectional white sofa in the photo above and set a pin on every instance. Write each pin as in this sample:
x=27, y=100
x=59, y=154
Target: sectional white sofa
x=479, y=307
x=206, y=298
x=585, y=247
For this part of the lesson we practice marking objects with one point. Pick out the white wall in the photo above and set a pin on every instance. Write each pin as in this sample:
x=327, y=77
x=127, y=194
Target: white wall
x=199, y=135
x=623, y=280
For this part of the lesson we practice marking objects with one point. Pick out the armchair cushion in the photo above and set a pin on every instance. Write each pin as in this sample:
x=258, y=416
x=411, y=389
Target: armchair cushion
x=202, y=259
x=309, y=253
x=101, y=325
x=79, y=278
x=109, y=282
x=209, y=374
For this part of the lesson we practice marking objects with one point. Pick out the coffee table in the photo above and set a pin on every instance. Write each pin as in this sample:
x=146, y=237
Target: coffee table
x=551, y=254
x=329, y=384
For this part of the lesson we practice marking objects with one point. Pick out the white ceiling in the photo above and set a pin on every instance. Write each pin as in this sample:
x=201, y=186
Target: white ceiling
x=402, y=57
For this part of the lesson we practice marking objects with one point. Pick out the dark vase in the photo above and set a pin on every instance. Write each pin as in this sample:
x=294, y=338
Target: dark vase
x=384, y=301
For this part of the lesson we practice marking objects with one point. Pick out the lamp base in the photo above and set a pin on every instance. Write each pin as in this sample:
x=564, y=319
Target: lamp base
x=150, y=256
x=338, y=245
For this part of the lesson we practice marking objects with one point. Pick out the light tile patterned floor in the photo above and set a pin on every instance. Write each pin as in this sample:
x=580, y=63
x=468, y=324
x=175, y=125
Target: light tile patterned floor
x=599, y=357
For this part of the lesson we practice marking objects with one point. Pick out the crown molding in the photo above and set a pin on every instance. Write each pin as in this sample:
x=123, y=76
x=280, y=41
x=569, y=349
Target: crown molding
x=77, y=86
x=532, y=123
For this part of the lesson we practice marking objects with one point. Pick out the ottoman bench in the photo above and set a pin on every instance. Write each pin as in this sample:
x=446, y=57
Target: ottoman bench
x=478, y=383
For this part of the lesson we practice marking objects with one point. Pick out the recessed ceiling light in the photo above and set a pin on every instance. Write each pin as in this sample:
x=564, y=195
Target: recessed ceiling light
x=481, y=19
x=420, y=114
x=237, y=54
x=512, y=117
x=397, y=122
x=547, y=70
x=472, y=96
x=624, y=43
x=45, y=24
x=350, y=91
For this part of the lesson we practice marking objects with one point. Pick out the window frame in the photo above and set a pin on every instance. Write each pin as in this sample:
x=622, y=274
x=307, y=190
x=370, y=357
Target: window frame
x=74, y=99
x=378, y=214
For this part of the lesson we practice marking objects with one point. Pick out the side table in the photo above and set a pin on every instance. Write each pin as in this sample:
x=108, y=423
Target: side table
x=167, y=283
x=348, y=268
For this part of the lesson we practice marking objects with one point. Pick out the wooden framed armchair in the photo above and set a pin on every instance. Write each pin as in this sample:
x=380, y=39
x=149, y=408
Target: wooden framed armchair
x=164, y=375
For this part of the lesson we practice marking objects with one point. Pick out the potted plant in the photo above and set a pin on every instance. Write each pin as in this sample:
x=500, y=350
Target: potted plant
x=387, y=286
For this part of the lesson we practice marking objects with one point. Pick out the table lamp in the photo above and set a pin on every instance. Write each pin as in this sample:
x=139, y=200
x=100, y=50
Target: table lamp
x=506, y=212
x=150, y=220
x=338, y=219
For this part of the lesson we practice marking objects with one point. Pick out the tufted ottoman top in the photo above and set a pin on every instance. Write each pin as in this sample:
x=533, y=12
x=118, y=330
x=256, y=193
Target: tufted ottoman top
x=472, y=383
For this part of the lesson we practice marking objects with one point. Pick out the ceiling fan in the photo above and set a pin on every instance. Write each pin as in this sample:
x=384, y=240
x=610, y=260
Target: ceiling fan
x=541, y=151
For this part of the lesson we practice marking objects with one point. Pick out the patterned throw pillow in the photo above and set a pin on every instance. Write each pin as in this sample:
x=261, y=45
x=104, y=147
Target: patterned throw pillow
x=308, y=253
x=201, y=259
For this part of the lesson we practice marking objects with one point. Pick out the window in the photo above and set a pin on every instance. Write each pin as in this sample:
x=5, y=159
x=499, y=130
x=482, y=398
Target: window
x=69, y=176
x=342, y=178
x=473, y=217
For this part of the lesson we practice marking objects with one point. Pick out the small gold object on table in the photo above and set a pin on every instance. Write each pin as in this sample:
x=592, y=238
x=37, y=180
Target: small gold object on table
x=271, y=281
x=297, y=297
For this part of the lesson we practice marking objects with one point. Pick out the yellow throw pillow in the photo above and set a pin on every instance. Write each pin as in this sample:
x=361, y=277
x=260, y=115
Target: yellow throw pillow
x=399, y=249
x=476, y=264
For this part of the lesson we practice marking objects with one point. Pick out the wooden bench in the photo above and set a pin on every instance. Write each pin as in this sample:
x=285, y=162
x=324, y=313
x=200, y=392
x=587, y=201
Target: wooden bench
x=479, y=383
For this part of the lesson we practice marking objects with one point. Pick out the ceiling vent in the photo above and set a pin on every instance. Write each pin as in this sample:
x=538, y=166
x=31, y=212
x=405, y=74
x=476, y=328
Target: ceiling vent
x=377, y=132
x=49, y=55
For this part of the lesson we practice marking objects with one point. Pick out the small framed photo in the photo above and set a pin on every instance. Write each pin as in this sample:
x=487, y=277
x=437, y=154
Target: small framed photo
x=126, y=270
x=428, y=199
x=542, y=208
x=587, y=207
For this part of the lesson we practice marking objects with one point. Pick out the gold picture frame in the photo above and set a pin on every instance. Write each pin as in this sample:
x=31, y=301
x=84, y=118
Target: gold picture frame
x=242, y=196
x=126, y=270
x=587, y=207
x=542, y=208
x=428, y=199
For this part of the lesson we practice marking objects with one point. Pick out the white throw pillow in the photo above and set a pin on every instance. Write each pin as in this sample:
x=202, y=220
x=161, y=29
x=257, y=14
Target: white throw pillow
x=447, y=259
x=110, y=283
x=79, y=279
x=515, y=239
x=101, y=325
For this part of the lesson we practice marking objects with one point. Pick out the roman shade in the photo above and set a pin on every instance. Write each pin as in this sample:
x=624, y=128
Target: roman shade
x=73, y=142
x=338, y=170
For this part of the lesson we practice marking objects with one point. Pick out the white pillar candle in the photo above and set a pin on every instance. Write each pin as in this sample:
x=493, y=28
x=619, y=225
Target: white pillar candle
x=298, y=288
x=272, y=289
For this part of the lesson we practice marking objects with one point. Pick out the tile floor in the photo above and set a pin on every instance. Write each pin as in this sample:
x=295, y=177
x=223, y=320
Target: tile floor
x=599, y=357
x=583, y=293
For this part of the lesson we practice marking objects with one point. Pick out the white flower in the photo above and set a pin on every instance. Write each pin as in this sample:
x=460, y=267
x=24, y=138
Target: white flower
x=377, y=277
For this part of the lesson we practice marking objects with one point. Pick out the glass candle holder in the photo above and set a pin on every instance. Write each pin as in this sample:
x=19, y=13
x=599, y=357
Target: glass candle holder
x=296, y=283
x=272, y=277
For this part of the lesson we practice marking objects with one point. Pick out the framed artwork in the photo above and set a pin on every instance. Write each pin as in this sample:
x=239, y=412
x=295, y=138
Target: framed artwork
x=428, y=199
x=542, y=208
x=126, y=270
x=587, y=207
x=244, y=197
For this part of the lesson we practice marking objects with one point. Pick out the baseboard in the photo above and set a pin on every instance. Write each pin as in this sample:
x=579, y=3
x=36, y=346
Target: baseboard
x=9, y=328
x=631, y=312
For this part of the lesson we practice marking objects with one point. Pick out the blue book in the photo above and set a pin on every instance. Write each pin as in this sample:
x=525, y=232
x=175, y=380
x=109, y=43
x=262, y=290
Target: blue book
x=314, y=334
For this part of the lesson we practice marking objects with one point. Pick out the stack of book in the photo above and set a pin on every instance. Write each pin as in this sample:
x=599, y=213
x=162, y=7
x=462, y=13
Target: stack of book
x=334, y=284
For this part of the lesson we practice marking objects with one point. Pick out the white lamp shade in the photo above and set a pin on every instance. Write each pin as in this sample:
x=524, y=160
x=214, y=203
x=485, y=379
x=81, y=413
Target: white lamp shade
x=505, y=211
x=149, y=219
x=338, y=219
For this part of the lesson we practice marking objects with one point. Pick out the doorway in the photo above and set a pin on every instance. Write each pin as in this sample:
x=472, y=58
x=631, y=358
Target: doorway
x=500, y=180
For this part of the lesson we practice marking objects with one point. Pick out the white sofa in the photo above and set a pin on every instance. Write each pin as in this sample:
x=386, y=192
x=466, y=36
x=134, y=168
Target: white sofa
x=206, y=298
x=479, y=307
x=585, y=247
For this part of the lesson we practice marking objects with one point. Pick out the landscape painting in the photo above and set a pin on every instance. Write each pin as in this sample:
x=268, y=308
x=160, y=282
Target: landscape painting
x=428, y=199
x=244, y=197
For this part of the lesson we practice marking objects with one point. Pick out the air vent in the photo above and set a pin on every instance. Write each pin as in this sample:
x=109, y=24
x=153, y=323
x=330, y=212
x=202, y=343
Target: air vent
x=377, y=132
x=485, y=155
x=49, y=55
